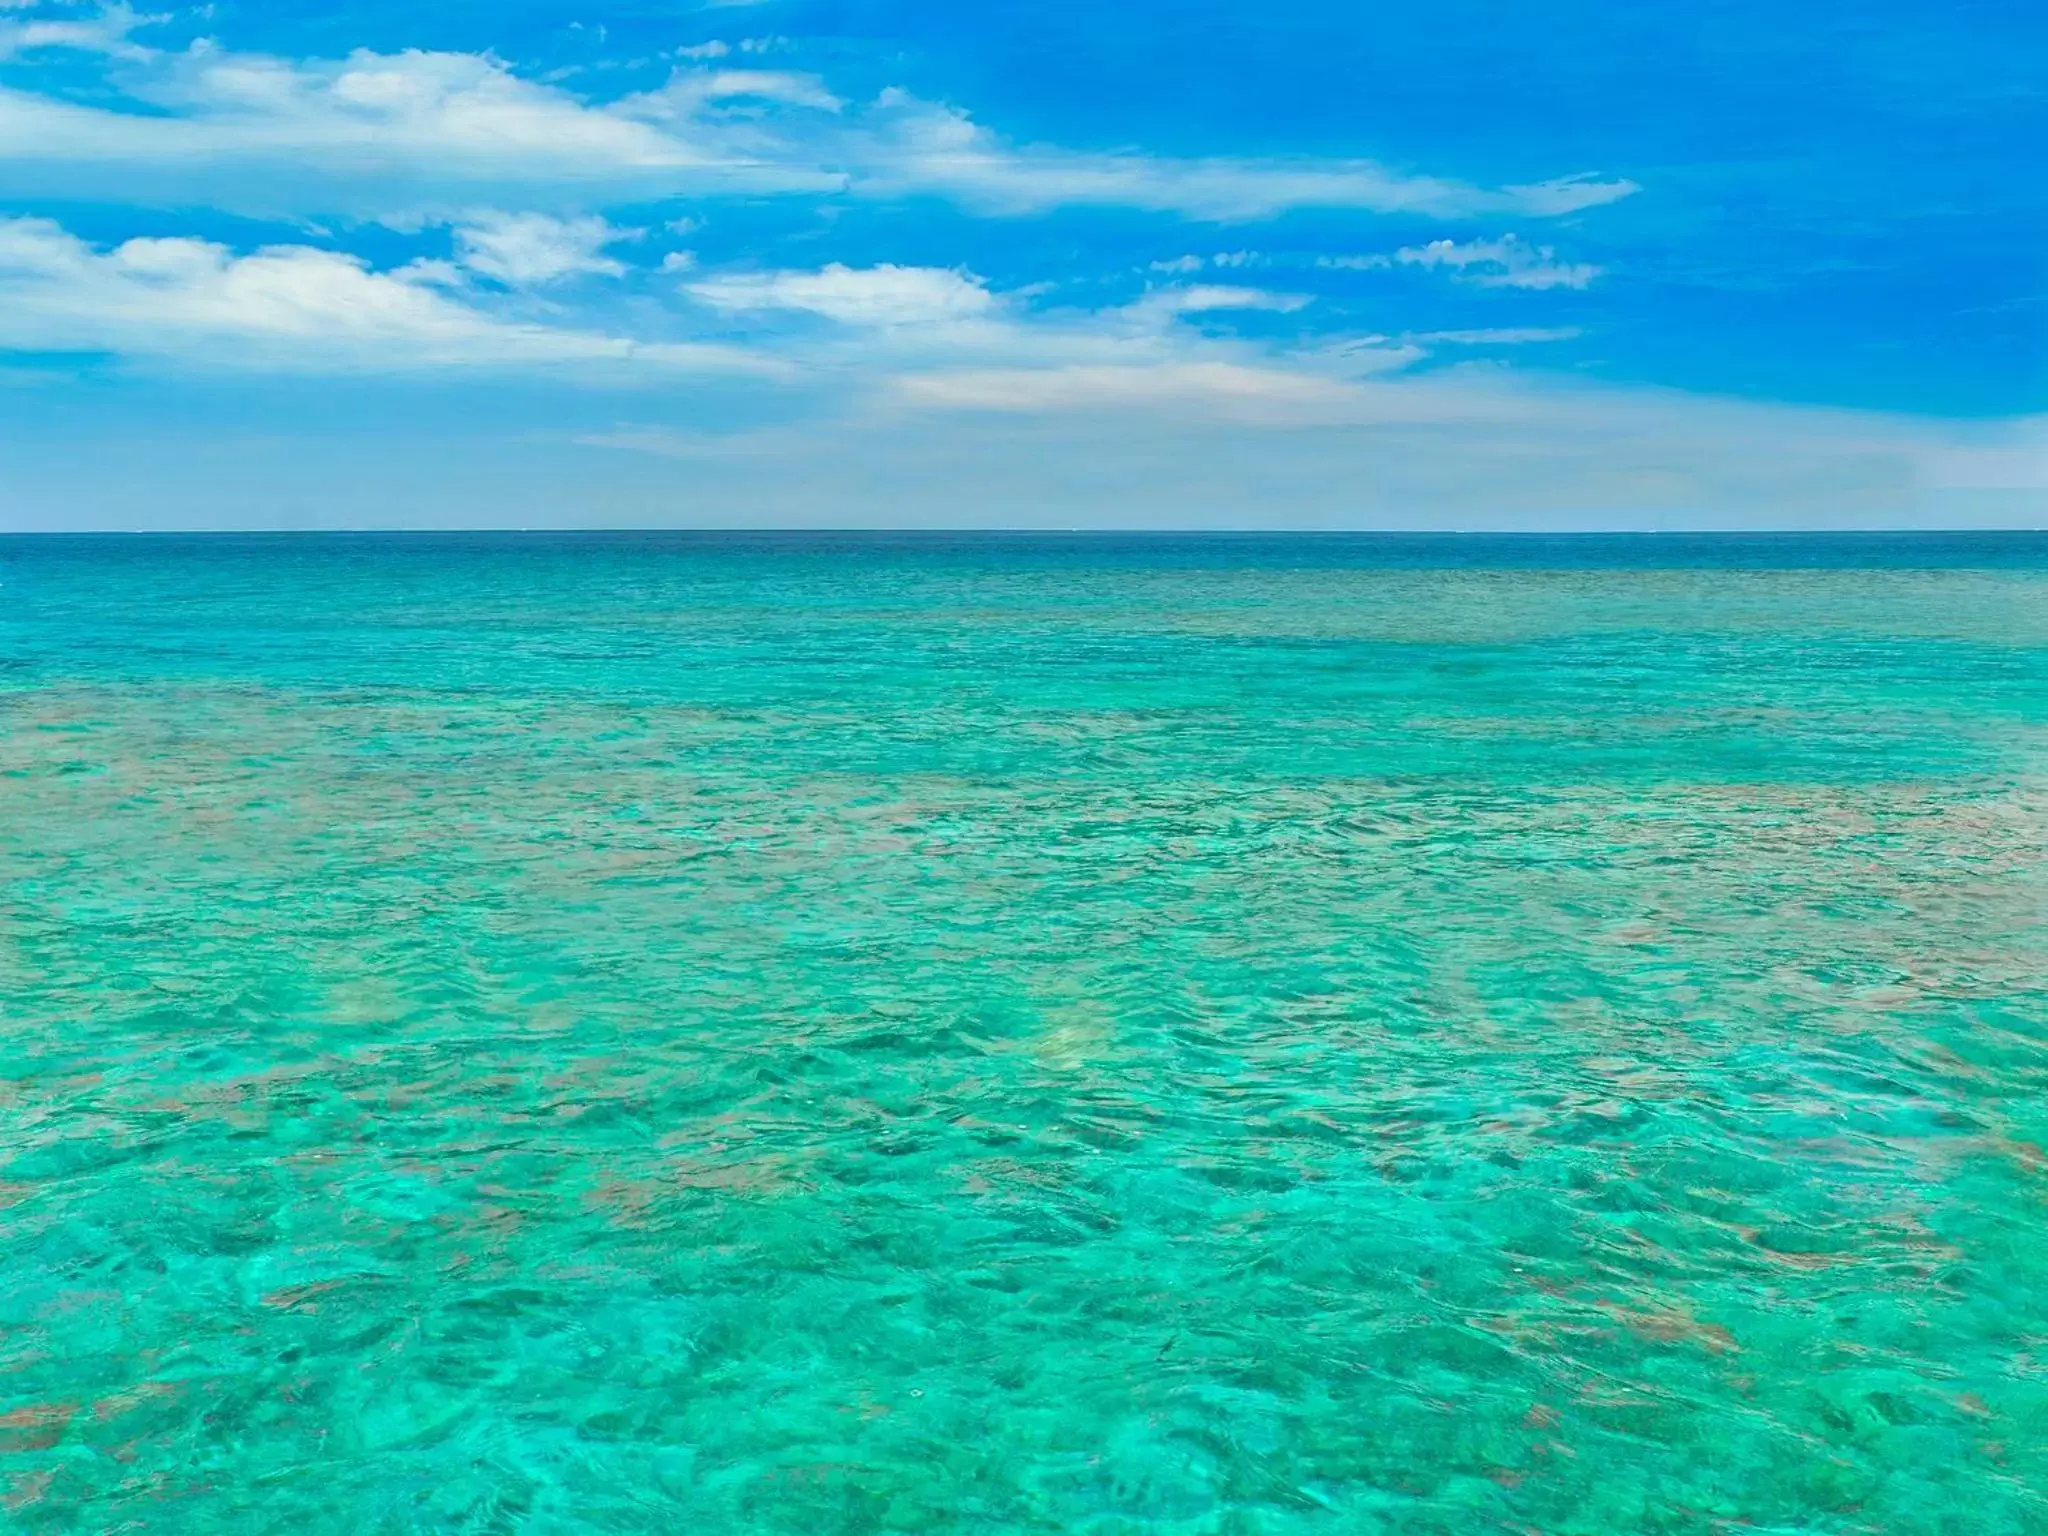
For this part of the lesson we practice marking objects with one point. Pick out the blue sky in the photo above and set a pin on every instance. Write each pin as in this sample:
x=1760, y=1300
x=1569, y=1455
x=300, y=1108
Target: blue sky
x=1465, y=265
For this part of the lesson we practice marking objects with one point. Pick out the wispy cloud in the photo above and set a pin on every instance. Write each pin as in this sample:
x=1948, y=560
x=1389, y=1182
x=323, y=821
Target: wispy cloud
x=385, y=135
x=718, y=48
x=885, y=295
x=394, y=134
x=107, y=31
x=923, y=146
x=1497, y=336
x=953, y=337
x=1210, y=298
x=685, y=97
x=1509, y=262
x=1219, y=261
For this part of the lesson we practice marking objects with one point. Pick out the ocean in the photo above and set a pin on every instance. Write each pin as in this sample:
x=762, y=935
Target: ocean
x=831, y=1034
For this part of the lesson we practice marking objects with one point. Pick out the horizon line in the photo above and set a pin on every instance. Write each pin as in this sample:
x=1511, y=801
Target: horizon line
x=887, y=530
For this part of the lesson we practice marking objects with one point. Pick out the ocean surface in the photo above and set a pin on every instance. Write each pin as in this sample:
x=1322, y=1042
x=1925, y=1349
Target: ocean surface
x=830, y=1035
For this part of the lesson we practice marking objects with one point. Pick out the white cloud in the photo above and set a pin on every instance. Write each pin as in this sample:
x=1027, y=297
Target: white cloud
x=1508, y=262
x=525, y=249
x=398, y=136
x=885, y=295
x=404, y=135
x=198, y=304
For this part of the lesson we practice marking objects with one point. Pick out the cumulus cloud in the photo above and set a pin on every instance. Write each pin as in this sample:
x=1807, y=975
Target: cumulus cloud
x=885, y=295
x=524, y=249
x=199, y=304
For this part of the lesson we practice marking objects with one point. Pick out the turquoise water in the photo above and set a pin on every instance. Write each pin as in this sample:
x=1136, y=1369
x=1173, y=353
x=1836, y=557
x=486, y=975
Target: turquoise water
x=822, y=1035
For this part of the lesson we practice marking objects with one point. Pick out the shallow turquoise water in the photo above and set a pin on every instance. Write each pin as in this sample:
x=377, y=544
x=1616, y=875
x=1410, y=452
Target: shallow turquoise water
x=832, y=1035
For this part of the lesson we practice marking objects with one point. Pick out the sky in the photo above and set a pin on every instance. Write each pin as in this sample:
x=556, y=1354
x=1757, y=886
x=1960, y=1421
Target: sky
x=1049, y=264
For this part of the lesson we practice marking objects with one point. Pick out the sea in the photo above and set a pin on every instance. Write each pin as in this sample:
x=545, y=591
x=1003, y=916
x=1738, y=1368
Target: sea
x=829, y=1034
